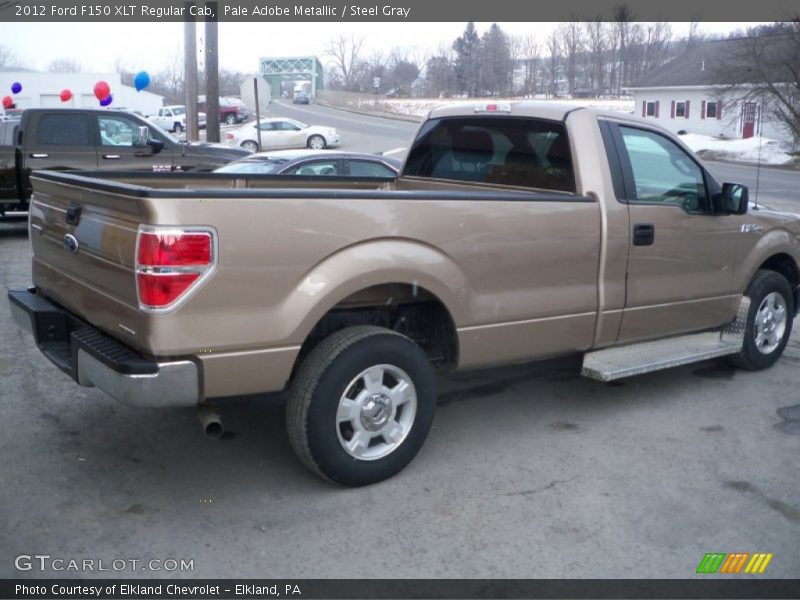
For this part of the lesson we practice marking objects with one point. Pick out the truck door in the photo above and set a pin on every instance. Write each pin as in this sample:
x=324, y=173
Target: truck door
x=681, y=255
x=59, y=140
x=117, y=147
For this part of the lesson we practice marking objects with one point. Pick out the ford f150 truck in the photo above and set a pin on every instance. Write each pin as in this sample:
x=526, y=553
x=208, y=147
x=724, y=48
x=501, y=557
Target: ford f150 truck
x=515, y=232
x=70, y=138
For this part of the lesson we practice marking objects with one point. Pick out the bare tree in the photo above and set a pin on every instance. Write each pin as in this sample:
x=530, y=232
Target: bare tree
x=623, y=22
x=529, y=54
x=598, y=45
x=553, y=62
x=572, y=43
x=344, y=53
x=169, y=81
x=657, y=42
x=765, y=68
x=64, y=65
x=440, y=74
x=8, y=60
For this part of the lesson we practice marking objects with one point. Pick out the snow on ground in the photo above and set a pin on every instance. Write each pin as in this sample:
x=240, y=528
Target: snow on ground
x=422, y=106
x=744, y=150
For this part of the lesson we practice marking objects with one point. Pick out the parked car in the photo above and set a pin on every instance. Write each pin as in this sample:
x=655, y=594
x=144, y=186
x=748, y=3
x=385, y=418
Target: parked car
x=314, y=164
x=282, y=133
x=301, y=98
x=231, y=110
x=173, y=118
x=516, y=231
x=77, y=138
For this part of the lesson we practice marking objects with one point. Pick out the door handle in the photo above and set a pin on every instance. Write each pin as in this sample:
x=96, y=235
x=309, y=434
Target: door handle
x=39, y=155
x=644, y=234
x=111, y=156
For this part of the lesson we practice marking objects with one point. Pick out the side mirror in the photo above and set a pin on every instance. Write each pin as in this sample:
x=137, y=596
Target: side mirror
x=144, y=136
x=732, y=200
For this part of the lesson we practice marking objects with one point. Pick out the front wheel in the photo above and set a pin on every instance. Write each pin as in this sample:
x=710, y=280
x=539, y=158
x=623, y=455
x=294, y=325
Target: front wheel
x=230, y=119
x=178, y=128
x=317, y=142
x=361, y=405
x=769, y=321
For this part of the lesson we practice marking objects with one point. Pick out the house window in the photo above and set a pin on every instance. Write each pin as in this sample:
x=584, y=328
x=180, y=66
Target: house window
x=651, y=109
x=711, y=109
x=680, y=109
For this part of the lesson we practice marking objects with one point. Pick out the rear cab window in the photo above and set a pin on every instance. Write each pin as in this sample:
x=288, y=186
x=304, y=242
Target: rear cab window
x=514, y=151
x=63, y=129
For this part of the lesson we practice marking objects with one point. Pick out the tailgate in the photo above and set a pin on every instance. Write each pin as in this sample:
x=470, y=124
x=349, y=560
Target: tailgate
x=84, y=244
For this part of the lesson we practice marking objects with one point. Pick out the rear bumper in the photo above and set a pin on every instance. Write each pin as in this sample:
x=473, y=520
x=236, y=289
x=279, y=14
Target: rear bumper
x=92, y=358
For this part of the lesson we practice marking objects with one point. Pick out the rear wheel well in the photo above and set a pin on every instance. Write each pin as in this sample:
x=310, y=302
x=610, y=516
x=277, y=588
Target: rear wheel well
x=406, y=309
x=783, y=264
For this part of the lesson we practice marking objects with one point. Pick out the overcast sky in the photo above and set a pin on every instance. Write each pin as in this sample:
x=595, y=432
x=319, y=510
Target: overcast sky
x=148, y=46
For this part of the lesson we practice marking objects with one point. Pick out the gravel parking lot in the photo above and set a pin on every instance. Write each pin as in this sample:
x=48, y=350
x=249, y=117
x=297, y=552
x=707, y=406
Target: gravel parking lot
x=528, y=472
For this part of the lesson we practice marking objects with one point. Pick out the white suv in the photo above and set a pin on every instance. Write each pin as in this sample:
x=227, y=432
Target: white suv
x=173, y=118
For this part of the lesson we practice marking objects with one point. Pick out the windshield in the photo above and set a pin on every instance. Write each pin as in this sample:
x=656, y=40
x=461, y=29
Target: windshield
x=269, y=165
x=178, y=110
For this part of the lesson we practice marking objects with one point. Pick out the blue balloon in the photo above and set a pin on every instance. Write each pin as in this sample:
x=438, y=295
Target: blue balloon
x=107, y=100
x=16, y=87
x=141, y=81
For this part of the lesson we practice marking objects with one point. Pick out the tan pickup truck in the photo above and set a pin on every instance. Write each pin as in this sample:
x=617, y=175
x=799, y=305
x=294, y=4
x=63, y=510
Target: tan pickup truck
x=516, y=231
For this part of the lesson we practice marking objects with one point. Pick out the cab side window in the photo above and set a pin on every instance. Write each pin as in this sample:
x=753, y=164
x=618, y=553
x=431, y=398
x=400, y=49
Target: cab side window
x=63, y=129
x=116, y=131
x=321, y=168
x=662, y=172
x=363, y=168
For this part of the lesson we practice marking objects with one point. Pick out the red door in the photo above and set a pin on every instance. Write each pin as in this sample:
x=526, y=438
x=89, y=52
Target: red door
x=748, y=119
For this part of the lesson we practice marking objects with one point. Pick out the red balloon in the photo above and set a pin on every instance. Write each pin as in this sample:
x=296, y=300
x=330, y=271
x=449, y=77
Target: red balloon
x=101, y=90
x=7, y=102
x=65, y=95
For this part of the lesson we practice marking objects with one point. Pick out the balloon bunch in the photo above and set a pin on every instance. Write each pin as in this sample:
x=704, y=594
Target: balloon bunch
x=8, y=101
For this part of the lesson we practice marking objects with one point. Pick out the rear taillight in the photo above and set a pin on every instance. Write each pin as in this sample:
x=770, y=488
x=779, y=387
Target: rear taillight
x=228, y=136
x=170, y=263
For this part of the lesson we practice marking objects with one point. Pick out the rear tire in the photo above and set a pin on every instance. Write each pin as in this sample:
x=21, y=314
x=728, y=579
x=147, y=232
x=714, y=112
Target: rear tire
x=317, y=142
x=250, y=146
x=361, y=405
x=769, y=321
x=230, y=119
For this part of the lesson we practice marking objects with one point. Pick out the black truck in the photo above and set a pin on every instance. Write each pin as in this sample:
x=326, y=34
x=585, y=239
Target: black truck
x=85, y=139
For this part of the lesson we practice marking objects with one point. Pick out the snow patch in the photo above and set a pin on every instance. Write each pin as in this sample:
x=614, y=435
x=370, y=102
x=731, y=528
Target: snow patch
x=422, y=106
x=773, y=152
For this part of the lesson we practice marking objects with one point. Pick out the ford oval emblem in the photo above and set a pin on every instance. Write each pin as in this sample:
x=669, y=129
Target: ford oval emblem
x=71, y=243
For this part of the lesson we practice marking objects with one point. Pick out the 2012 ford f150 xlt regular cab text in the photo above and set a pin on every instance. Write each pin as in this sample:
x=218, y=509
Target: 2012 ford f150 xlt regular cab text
x=514, y=232
x=75, y=138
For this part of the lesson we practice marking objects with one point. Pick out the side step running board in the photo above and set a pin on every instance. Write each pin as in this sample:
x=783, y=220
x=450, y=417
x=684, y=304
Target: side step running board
x=644, y=357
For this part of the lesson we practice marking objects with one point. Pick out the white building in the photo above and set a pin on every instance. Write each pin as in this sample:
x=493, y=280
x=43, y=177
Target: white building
x=42, y=90
x=690, y=93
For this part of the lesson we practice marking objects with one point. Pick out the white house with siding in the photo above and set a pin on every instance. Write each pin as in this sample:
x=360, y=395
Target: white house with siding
x=42, y=90
x=690, y=94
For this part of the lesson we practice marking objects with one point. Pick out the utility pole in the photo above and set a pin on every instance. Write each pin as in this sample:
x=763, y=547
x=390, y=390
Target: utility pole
x=212, y=75
x=190, y=74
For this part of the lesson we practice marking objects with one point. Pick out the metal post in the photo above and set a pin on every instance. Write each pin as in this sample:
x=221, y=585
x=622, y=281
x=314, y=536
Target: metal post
x=212, y=75
x=190, y=74
x=258, y=112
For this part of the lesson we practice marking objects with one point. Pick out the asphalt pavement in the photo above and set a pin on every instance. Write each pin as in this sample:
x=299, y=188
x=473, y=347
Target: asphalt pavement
x=529, y=471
